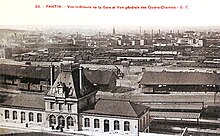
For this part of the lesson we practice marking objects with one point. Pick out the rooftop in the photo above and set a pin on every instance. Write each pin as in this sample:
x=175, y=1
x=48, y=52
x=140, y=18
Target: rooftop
x=27, y=71
x=26, y=100
x=175, y=106
x=180, y=78
x=114, y=107
x=101, y=77
x=181, y=115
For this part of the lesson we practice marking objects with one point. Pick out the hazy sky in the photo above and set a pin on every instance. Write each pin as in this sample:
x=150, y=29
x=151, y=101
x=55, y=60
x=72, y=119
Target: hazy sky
x=23, y=12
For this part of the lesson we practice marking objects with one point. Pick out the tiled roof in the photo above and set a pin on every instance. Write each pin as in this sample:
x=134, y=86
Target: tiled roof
x=115, y=107
x=26, y=100
x=180, y=78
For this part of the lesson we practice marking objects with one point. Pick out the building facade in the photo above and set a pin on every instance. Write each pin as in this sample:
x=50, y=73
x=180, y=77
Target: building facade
x=70, y=105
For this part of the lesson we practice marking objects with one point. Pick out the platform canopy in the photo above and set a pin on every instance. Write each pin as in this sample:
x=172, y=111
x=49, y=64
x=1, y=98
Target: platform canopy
x=180, y=115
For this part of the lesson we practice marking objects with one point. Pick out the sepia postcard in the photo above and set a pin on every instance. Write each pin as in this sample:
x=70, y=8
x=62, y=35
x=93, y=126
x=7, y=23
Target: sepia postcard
x=109, y=67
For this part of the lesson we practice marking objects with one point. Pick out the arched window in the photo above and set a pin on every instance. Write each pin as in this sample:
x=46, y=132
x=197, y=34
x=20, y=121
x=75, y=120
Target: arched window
x=39, y=117
x=61, y=121
x=96, y=123
x=106, y=125
x=22, y=117
x=116, y=125
x=6, y=114
x=52, y=120
x=31, y=116
x=126, y=126
x=87, y=122
x=69, y=122
x=15, y=116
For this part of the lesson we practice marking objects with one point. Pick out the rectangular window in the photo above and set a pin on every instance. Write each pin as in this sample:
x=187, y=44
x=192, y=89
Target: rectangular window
x=52, y=105
x=60, y=106
x=22, y=117
x=69, y=107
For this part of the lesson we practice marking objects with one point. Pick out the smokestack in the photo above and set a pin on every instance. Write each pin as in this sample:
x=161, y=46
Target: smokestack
x=113, y=31
x=80, y=78
x=51, y=75
x=85, y=41
x=144, y=33
x=77, y=35
x=99, y=34
x=152, y=32
x=159, y=31
x=140, y=30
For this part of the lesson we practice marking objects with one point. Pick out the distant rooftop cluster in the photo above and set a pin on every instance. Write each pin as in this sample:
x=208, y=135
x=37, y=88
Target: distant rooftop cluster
x=191, y=48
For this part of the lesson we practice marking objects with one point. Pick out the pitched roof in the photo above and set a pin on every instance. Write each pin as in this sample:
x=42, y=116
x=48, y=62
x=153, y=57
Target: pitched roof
x=101, y=77
x=27, y=71
x=180, y=78
x=26, y=100
x=115, y=107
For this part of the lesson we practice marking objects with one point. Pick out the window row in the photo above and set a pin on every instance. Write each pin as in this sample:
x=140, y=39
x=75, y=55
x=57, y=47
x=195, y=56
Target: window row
x=61, y=106
x=15, y=116
x=106, y=124
x=61, y=121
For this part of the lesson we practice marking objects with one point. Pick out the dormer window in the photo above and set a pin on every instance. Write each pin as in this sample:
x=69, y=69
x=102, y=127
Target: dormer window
x=60, y=89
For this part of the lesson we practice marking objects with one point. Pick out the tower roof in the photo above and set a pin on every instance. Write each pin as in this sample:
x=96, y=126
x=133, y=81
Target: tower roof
x=67, y=84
